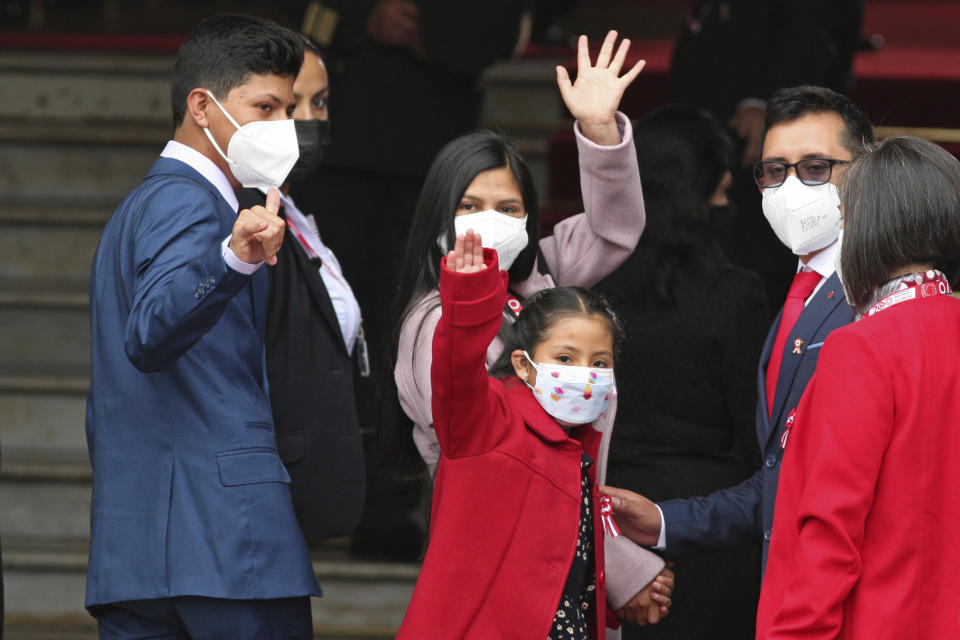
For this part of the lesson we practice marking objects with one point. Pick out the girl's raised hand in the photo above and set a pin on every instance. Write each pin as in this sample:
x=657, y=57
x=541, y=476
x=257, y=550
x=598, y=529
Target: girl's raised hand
x=595, y=96
x=467, y=254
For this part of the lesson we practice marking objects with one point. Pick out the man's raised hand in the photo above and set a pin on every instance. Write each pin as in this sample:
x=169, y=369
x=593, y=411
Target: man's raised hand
x=258, y=232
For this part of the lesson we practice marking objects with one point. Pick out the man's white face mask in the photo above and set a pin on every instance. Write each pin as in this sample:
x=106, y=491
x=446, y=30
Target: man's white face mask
x=805, y=218
x=260, y=153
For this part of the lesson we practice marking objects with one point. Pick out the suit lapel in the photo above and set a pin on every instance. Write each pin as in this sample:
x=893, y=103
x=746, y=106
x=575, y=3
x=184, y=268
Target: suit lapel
x=809, y=322
x=317, y=288
x=763, y=411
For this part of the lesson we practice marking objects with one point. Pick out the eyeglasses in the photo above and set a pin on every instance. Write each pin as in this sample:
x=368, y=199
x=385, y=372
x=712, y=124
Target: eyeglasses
x=811, y=172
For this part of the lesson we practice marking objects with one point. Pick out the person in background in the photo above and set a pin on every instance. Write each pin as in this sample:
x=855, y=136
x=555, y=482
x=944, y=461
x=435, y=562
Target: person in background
x=193, y=532
x=687, y=372
x=867, y=507
x=812, y=134
x=314, y=340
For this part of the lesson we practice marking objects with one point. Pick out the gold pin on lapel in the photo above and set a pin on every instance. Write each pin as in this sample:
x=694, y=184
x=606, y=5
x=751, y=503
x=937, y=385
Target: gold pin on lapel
x=797, y=345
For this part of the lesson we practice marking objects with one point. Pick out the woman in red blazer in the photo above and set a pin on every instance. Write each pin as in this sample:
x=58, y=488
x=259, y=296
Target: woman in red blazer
x=866, y=537
x=516, y=540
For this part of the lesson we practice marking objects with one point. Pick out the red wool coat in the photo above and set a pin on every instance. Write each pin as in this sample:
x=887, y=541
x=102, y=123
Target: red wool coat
x=506, y=500
x=866, y=532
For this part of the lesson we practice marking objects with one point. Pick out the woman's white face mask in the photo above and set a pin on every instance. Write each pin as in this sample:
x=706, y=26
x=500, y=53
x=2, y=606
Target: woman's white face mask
x=498, y=231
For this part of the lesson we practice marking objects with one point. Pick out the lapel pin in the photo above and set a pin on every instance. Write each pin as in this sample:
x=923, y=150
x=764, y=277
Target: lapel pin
x=797, y=344
x=829, y=294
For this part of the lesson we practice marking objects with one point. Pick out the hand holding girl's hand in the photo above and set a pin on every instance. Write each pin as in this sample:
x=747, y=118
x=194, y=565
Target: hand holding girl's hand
x=467, y=254
x=652, y=603
x=595, y=96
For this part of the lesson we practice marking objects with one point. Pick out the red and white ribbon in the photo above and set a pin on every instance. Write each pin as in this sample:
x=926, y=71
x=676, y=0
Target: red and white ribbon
x=606, y=517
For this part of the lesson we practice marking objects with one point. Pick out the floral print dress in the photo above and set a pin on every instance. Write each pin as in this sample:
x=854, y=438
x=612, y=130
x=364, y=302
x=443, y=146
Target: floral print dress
x=577, y=602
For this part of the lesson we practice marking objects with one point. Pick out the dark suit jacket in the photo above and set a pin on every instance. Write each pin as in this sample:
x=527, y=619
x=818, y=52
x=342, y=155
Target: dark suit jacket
x=738, y=515
x=189, y=494
x=312, y=393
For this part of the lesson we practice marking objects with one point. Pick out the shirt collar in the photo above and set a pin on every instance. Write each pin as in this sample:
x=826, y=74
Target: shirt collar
x=824, y=261
x=205, y=167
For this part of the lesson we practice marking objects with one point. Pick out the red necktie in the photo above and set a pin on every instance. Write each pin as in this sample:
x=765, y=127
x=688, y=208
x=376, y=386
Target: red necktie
x=803, y=285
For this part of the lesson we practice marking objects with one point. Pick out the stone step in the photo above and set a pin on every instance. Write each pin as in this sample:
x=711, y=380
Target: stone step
x=49, y=242
x=45, y=585
x=47, y=420
x=41, y=167
x=86, y=86
x=43, y=323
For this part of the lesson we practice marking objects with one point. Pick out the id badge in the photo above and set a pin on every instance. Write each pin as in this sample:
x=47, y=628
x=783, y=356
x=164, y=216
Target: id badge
x=363, y=357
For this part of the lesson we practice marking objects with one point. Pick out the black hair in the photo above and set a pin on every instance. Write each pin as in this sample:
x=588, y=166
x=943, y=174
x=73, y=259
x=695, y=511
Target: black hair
x=541, y=312
x=451, y=172
x=901, y=205
x=223, y=51
x=787, y=105
x=683, y=154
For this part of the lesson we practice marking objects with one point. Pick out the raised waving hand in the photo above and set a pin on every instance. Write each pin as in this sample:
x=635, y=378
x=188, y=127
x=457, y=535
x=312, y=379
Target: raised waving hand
x=593, y=98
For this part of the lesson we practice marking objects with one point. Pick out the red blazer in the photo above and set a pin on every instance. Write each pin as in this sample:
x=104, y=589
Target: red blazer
x=506, y=499
x=866, y=534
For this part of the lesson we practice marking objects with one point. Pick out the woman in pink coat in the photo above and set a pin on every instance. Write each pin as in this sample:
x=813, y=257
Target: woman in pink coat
x=866, y=536
x=479, y=181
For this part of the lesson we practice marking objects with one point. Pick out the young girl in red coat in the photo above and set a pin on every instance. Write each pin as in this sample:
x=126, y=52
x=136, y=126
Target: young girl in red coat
x=516, y=537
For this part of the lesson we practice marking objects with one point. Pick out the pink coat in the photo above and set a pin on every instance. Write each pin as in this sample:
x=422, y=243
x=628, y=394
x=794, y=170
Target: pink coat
x=583, y=250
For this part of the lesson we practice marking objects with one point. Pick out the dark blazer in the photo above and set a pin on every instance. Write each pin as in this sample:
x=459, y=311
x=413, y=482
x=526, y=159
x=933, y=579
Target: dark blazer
x=189, y=494
x=739, y=514
x=312, y=393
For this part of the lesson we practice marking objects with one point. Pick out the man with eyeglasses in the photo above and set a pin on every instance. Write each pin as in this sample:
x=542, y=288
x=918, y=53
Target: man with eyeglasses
x=812, y=133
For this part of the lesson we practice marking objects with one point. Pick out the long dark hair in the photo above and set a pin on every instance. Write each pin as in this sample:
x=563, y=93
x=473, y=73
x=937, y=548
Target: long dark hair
x=452, y=171
x=682, y=154
x=901, y=205
x=541, y=312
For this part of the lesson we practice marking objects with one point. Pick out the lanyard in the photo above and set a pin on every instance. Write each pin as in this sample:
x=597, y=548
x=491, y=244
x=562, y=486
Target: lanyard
x=925, y=285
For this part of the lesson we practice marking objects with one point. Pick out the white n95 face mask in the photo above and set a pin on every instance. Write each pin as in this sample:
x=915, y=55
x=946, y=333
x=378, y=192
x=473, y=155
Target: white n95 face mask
x=804, y=218
x=260, y=153
x=505, y=234
x=574, y=395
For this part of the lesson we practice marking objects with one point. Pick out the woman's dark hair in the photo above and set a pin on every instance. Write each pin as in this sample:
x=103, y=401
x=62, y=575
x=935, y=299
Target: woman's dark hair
x=683, y=154
x=452, y=171
x=223, y=51
x=542, y=310
x=901, y=206
x=310, y=45
x=787, y=105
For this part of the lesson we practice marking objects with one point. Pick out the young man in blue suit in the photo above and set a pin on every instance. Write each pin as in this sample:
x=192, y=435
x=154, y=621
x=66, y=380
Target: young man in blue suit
x=811, y=134
x=193, y=533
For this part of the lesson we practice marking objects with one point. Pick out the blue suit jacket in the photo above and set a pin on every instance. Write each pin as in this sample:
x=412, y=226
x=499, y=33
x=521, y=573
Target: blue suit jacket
x=740, y=515
x=189, y=494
